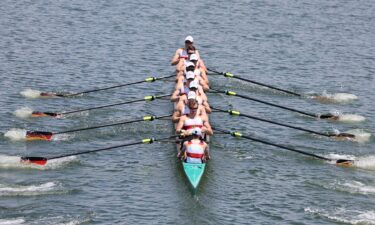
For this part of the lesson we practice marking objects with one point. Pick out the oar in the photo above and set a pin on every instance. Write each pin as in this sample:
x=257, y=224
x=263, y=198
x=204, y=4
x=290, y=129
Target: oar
x=238, y=113
x=43, y=160
x=149, y=79
x=322, y=116
x=55, y=114
x=230, y=75
x=47, y=136
x=339, y=162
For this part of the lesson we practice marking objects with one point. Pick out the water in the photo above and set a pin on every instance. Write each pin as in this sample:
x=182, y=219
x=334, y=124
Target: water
x=308, y=47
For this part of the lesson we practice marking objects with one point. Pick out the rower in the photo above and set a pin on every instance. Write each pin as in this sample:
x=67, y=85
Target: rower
x=182, y=88
x=191, y=67
x=181, y=65
x=181, y=53
x=195, y=150
x=200, y=69
x=183, y=107
x=188, y=122
x=201, y=96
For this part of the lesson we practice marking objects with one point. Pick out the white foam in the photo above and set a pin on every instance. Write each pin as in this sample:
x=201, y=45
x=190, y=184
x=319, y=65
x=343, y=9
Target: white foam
x=356, y=187
x=14, y=221
x=28, y=190
x=24, y=112
x=14, y=162
x=345, y=216
x=30, y=93
x=366, y=162
x=351, y=118
x=16, y=134
x=62, y=137
x=336, y=97
x=361, y=135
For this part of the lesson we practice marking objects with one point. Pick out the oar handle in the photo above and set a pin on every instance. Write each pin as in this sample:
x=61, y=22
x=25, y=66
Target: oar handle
x=230, y=75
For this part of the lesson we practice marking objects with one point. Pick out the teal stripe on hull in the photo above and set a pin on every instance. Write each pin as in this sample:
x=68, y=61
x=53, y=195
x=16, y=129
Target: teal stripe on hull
x=194, y=172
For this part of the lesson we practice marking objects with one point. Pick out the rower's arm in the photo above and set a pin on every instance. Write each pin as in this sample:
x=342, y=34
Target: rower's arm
x=179, y=126
x=176, y=57
x=204, y=84
x=176, y=116
x=208, y=129
x=206, y=106
x=175, y=96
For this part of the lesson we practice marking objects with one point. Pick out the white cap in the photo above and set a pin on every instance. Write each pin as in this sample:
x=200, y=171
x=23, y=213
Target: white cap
x=191, y=95
x=190, y=75
x=189, y=64
x=193, y=84
x=196, y=131
x=193, y=57
x=189, y=38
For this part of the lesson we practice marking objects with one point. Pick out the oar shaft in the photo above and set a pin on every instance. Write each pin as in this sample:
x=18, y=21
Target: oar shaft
x=231, y=93
x=235, y=134
x=150, y=79
x=147, y=98
x=255, y=82
x=144, y=141
x=237, y=113
x=146, y=118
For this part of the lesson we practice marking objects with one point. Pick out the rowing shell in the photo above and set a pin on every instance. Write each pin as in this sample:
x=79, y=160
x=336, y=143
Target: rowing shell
x=193, y=171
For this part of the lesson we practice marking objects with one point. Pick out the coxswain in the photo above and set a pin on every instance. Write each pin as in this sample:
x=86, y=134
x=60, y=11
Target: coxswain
x=183, y=107
x=195, y=150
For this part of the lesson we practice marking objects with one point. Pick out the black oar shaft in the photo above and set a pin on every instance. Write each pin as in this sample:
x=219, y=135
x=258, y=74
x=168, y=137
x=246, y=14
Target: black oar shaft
x=231, y=93
x=255, y=82
x=147, y=98
x=146, y=118
x=144, y=141
x=236, y=134
x=237, y=113
x=150, y=79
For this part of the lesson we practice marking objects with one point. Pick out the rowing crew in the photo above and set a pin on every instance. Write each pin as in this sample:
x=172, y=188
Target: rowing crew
x=191, y=105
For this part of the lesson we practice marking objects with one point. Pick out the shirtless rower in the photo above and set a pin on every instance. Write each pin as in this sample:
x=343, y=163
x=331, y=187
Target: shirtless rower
x=183, y=107
x=188, y=122
x=195, y=150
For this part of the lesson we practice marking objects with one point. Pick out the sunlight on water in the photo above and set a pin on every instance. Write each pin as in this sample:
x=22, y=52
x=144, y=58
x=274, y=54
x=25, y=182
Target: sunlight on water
x=30, y=93
x=24, y=112
x=16, y=134
x=343, y=215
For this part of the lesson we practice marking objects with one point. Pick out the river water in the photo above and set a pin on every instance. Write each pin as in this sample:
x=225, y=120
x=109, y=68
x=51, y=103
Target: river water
x=310, y=47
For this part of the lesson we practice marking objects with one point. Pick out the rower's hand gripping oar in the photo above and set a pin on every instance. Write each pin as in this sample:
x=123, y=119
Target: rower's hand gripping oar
x=47, y=136
x=55, y=114
x=238, y=113
x=43, y=160
x=232, y=93
x=339, y=162
x=149, y=80
x=230, y=75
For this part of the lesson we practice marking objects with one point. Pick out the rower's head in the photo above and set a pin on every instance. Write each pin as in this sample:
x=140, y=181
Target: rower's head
x=190, y=76
x=193, y=86
x=190, y=66
x=190, y=50
x=189, y=41
x=196, y=132
x=193, y=58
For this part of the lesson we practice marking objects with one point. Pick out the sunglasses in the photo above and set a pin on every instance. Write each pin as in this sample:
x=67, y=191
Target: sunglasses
x=188, y=42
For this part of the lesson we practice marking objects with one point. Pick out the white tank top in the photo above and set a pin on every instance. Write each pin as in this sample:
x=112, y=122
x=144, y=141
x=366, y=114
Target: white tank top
x=183, y=54
x=190, y=124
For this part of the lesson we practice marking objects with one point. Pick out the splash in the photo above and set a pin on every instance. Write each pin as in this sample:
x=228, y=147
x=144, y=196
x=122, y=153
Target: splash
x=31, y=190
x=30, y=93
x=351, y=118
x=15, y=134
x=361, y=135
x=354, y=187
x=345, y=216
x=366, y=162
x=13, y=221
x=62, y=137
x=14, y=162
x=334, y=98
x=24, y=112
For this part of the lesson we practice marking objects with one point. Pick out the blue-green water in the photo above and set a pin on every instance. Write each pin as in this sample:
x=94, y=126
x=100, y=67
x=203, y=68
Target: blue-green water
x=308, y=47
